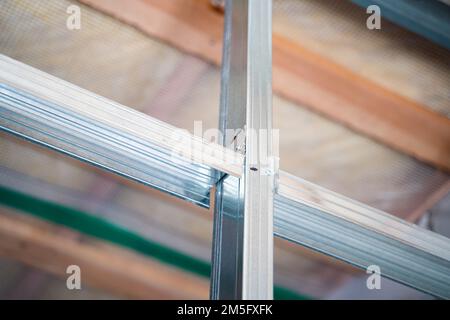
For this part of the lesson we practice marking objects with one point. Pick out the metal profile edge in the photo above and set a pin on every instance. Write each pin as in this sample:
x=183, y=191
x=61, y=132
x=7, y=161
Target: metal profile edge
x=360, y=235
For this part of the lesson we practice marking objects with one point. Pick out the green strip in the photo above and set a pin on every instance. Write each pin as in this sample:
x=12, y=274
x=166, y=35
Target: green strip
x=281, y=293
x=105, y=230
x=100, y=228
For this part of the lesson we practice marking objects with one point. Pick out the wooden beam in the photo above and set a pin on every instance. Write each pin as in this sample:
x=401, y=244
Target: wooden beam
x=362, y=105
x=299, y=75
x=116, y=270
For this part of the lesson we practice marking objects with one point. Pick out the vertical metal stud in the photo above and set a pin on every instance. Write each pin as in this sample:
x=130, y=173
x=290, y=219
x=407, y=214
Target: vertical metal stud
x=259, y=161
x=226, y=275
x=242, y=259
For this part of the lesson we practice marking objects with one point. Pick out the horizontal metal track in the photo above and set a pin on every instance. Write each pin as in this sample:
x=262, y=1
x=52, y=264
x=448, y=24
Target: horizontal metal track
x=345, y=229
x=66, y=118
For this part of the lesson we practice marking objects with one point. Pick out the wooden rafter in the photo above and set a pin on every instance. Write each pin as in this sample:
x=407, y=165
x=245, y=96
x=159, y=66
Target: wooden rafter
x=300, y=75
x=116, y=270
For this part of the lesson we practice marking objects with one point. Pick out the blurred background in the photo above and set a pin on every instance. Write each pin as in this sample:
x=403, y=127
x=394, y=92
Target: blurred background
x=163, y=59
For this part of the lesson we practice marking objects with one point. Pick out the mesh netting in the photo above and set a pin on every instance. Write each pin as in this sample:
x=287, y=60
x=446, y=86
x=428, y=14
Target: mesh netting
x=392, y=57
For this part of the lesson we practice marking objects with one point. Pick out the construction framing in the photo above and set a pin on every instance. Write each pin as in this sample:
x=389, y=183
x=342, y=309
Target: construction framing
x=253, y=199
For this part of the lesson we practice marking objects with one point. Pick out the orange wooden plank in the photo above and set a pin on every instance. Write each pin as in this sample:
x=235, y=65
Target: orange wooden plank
x=300, y=76
x=116, y=270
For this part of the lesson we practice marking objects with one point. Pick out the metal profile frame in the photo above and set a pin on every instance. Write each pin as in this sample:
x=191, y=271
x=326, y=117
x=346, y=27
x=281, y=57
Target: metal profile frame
x=228, y=227
x=91, y=128
x=259, y=170
x=243, y=227
x=54, y=113
x=360, y=235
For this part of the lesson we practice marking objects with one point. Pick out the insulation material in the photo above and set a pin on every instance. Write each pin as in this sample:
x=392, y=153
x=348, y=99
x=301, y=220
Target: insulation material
x=394, y=58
